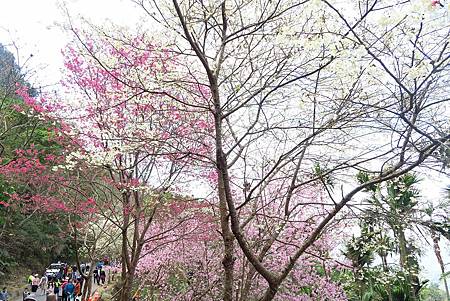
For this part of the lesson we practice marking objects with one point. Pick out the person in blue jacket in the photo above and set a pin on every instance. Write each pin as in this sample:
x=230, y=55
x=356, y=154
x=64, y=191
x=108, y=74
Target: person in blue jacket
x=69, y=290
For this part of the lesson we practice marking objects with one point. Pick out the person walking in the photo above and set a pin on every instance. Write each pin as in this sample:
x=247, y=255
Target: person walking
x=77, y=288
x=81, y=281
x=69, y=272
x=69, y=290
x=35, y=283
x=58, y=290
x=56, y=286
x=102, y=276
x=4, y=295
x=43, y=284
x=59, y=275
x=50, y=281
x=62, y=289
x=96, y=277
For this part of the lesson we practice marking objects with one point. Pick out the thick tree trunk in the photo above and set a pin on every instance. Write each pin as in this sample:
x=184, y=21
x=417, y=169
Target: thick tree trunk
x=270, y=293
x=252, y=271
x=227, y=235
x=127, y=286
x=87, y=288
x=131, y=251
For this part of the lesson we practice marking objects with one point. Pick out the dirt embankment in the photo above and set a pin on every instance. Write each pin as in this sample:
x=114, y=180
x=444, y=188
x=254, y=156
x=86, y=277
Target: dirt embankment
x=16, y=281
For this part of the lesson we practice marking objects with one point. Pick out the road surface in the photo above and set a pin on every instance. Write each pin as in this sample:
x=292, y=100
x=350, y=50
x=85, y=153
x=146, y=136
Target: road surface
x=40, y=295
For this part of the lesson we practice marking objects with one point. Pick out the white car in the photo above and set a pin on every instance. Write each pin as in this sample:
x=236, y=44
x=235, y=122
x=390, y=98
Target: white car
x=53, y=269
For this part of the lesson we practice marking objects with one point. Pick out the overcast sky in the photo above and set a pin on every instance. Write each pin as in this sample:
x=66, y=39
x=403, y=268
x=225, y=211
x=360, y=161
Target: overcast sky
x=31, y=24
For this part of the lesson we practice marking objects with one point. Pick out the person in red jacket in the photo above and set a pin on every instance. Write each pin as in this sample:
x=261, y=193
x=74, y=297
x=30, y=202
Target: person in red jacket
x=63, y=285
x=77, y=288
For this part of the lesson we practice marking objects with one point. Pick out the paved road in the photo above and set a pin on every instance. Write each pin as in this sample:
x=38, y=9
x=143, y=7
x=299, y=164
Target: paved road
x=40, y=295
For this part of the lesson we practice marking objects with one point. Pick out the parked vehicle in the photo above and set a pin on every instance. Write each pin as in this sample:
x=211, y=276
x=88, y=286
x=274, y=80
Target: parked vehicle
x=54, y=268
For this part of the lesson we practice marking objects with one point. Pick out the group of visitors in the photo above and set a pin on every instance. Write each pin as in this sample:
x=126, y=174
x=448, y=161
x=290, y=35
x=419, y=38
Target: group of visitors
x=99, y=276
x=64, y=290
x=35, y=281
x=66, y=284
x=67, y=271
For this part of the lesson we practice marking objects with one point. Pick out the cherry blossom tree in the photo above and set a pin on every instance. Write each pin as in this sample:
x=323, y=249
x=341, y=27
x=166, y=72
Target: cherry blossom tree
x=315, y=85
x=45, y=188
x=273, y=99
x=143, y=140
x=183, y=265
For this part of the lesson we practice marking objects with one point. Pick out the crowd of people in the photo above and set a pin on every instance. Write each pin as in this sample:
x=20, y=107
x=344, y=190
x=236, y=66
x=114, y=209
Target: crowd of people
x=65, y=285
x=99, y=276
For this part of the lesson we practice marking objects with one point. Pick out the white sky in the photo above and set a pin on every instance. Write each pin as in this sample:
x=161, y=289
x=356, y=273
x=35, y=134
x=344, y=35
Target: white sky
x=31, y=24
